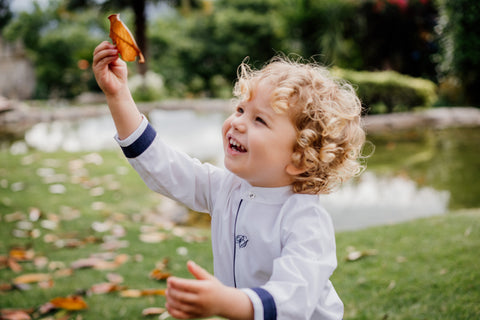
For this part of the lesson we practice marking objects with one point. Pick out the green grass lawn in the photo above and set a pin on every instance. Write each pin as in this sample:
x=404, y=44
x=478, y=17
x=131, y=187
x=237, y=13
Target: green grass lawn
x=94, y=204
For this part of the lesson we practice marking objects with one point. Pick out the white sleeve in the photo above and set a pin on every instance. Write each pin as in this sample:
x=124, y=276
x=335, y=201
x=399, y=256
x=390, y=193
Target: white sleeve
x=171, y=172
x=256, y=302
x=300, y=284
x=134, y=135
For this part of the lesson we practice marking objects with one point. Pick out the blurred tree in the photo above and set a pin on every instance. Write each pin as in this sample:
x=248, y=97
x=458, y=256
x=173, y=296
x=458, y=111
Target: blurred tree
x=60, y=45
x=138, y=8
x=211, y=42
x=459, y=62
x=397, y=35
x=5, y=13
x=317, y=29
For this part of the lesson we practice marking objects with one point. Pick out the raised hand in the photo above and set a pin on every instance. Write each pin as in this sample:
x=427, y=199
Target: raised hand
x=110, y=71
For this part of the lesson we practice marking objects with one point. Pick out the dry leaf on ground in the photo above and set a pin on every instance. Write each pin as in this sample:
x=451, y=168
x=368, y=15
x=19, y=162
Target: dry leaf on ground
x=22, y=254
x=31, y=278
x=15, y=314
x=69, y=303
x=158, y=274
x=105, y=287
x=152, y=311
x=357, y=255
x=137, y=293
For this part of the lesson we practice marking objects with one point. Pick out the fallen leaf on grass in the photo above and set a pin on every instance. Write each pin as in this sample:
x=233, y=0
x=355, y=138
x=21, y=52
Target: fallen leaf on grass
x=100, y=264
x=105, y=287
x=15, y=314
x=123, y=39
x=153, y=237
x=34, y=214
x=158, y=274
x=137, y=293
x=114, y=278
x=16, y=216
x=69, y=303
x=31, y=278
x=12, y=264
x=86, y=263
x=5, y=287
x=64, y=272
x=152, y=311
x=22, y=254
x=357, y=255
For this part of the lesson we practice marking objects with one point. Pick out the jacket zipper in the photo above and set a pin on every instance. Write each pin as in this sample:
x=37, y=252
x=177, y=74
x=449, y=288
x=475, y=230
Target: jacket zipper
x=235, y=243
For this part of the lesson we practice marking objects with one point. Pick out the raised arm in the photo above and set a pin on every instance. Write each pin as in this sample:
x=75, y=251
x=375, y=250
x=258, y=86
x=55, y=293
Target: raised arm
x=111, y=75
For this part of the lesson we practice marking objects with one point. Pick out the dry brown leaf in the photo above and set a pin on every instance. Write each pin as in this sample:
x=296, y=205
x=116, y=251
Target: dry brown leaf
x=121, y=258
x=3, y=261
x=153, y=292
x=158, y=274
x=5, y=287
x=14, y=265
x=46, y=284
x=137, y=293
x=114, y=278
x=69, y=303
x=123, y=39
x=105, y=287
x=46, y=308
x=131, y=293
x=64, y=272
x=14, y=314
x=357, y=255
x=153, y=237
x=86, y=263
x=22, y=254
x=16, y=216
x=31, y=277
x=152, y=311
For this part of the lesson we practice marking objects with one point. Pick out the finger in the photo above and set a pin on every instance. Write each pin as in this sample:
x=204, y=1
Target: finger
x=102, y=46
x=187, y=285
x=180, y=301
x=198, y=272
x=100, y=55
x=176, y=313
x=181, y=296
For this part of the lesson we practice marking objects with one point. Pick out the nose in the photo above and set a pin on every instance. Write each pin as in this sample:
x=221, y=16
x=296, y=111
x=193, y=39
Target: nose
x=238, y=123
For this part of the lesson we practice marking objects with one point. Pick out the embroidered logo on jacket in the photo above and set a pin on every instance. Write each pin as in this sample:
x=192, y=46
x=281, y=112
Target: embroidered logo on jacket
x=242, y=241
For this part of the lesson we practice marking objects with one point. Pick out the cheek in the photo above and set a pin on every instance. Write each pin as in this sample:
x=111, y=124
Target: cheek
x=226, y=125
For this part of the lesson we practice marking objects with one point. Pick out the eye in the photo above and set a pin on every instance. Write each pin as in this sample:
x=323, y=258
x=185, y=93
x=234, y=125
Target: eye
x=240, y=110
x=258, y=119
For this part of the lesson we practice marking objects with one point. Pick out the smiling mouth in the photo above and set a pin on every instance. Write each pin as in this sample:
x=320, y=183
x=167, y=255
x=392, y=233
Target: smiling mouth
x=236, y=146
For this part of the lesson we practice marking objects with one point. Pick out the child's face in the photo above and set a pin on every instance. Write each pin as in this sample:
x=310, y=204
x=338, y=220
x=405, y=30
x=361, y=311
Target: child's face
x=258, y=142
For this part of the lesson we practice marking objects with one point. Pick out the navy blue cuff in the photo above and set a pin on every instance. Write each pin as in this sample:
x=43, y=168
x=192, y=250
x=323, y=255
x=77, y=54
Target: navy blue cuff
x=269, y=307
x=141, y=144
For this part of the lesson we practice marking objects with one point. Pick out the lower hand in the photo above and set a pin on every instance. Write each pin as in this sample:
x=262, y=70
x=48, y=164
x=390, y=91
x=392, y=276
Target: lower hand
x=189, y=298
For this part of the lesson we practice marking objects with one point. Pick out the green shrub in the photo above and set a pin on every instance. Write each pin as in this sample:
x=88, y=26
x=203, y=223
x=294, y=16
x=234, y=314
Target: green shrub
x=459, y=59
x=389, y=91
x=147, y=88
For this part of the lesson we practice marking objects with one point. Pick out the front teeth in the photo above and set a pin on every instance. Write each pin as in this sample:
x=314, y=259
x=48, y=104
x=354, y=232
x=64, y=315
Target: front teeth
x=236, y=145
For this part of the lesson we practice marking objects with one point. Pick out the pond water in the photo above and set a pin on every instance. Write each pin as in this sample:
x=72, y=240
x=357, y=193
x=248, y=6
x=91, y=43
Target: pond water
x=411, y=174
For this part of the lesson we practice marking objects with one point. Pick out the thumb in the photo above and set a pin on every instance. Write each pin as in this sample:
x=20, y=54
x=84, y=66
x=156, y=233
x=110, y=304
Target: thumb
x=198, y=272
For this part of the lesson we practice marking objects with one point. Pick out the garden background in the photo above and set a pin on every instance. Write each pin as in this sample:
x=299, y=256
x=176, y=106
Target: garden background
x=81, y=237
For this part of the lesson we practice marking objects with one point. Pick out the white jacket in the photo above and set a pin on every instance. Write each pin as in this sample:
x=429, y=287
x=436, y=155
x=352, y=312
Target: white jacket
x=275, y=245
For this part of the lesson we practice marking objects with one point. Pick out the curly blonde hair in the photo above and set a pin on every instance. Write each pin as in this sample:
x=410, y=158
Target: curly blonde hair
x=326, y=113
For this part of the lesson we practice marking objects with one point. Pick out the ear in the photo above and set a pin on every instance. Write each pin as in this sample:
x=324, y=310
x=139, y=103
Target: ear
x=292, y=170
